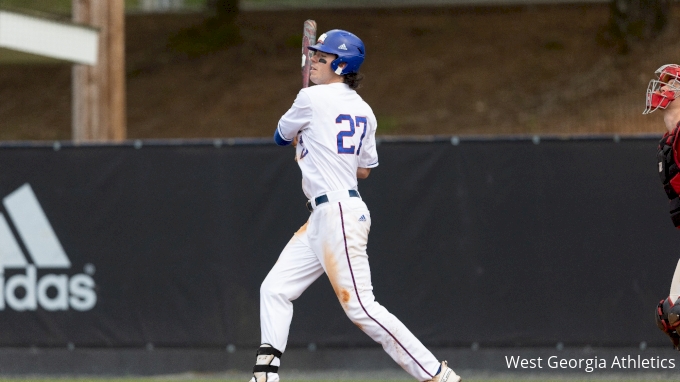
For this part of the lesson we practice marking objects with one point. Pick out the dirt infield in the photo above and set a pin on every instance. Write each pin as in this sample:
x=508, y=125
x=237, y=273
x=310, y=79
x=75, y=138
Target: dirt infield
x=452, y=70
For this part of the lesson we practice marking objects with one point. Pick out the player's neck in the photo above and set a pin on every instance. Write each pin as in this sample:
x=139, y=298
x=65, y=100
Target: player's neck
x=334, y=79
x=671, y=118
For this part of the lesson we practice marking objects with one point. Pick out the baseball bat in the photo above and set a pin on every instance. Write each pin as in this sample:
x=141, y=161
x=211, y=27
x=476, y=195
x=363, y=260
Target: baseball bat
x=308, y=38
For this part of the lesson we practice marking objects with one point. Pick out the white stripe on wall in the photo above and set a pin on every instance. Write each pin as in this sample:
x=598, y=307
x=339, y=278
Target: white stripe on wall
x=34, y=228
x=10, y=253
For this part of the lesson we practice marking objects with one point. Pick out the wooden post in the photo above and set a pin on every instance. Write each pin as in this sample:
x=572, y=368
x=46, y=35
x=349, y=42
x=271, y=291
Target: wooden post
x=98, y=98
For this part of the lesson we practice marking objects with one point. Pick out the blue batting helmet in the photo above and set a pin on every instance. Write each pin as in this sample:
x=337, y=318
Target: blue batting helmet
x=346, y=46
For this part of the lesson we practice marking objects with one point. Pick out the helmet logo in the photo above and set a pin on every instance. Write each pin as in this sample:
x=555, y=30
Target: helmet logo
x=342, y=47
x=321, y=39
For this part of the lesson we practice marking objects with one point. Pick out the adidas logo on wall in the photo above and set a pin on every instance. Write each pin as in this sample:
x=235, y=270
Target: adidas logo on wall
x=24, y=291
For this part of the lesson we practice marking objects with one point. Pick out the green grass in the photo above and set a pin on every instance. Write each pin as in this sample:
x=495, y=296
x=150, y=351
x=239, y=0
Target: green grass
x=386, y=123
x=51, y=6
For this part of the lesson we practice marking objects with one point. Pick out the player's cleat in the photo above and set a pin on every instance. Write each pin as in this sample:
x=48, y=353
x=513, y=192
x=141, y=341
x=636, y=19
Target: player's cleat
x=446, y=374
x=264, y=377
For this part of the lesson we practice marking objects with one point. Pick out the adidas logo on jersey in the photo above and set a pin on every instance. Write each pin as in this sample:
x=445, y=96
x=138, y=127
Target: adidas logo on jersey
x=362, y=218
x=342, y=47
x=52, y=292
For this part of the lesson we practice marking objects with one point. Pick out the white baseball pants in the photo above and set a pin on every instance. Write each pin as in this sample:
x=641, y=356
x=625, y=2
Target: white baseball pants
x=334, y=241
x=675, y=284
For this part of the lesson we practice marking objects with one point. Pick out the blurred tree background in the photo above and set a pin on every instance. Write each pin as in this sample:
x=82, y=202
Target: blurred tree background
x=229, y=68
x=218, y=31
x=635, y=21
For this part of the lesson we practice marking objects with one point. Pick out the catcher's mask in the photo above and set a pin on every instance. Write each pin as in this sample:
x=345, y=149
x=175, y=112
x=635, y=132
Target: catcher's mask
x=662, y=91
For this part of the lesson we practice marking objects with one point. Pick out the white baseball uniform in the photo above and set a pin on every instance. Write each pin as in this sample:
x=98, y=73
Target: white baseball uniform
x=336, y=135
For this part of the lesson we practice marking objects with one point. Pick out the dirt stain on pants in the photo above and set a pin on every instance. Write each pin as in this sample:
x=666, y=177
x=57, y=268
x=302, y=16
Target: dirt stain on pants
x=333, y=276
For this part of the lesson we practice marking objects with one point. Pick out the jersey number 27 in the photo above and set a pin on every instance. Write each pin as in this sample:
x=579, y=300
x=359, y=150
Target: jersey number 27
x=358, y=122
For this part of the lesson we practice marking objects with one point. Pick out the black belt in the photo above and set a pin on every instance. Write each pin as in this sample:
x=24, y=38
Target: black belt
x=323, y=199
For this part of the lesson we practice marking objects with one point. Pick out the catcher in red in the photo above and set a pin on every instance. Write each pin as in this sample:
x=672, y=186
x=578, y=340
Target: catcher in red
x=661, y=92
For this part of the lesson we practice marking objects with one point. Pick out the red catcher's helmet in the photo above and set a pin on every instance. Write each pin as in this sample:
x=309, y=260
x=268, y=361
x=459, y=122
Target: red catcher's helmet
x=666, y=88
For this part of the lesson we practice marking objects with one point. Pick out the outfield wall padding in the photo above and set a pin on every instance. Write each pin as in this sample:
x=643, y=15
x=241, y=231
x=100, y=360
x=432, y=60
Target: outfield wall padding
x=494, y=242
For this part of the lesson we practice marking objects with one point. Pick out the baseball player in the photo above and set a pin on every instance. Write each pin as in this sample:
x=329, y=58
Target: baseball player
x=335, y=133
x=661, y=92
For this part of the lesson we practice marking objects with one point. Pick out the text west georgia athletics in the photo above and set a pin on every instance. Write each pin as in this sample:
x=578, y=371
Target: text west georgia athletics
x=590, y=364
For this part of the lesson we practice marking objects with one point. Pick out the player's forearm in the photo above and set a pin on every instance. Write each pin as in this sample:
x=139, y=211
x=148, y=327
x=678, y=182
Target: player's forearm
x=362, y=173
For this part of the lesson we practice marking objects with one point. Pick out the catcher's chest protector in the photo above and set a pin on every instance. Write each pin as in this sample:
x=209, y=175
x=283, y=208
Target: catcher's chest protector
x=668, y=171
